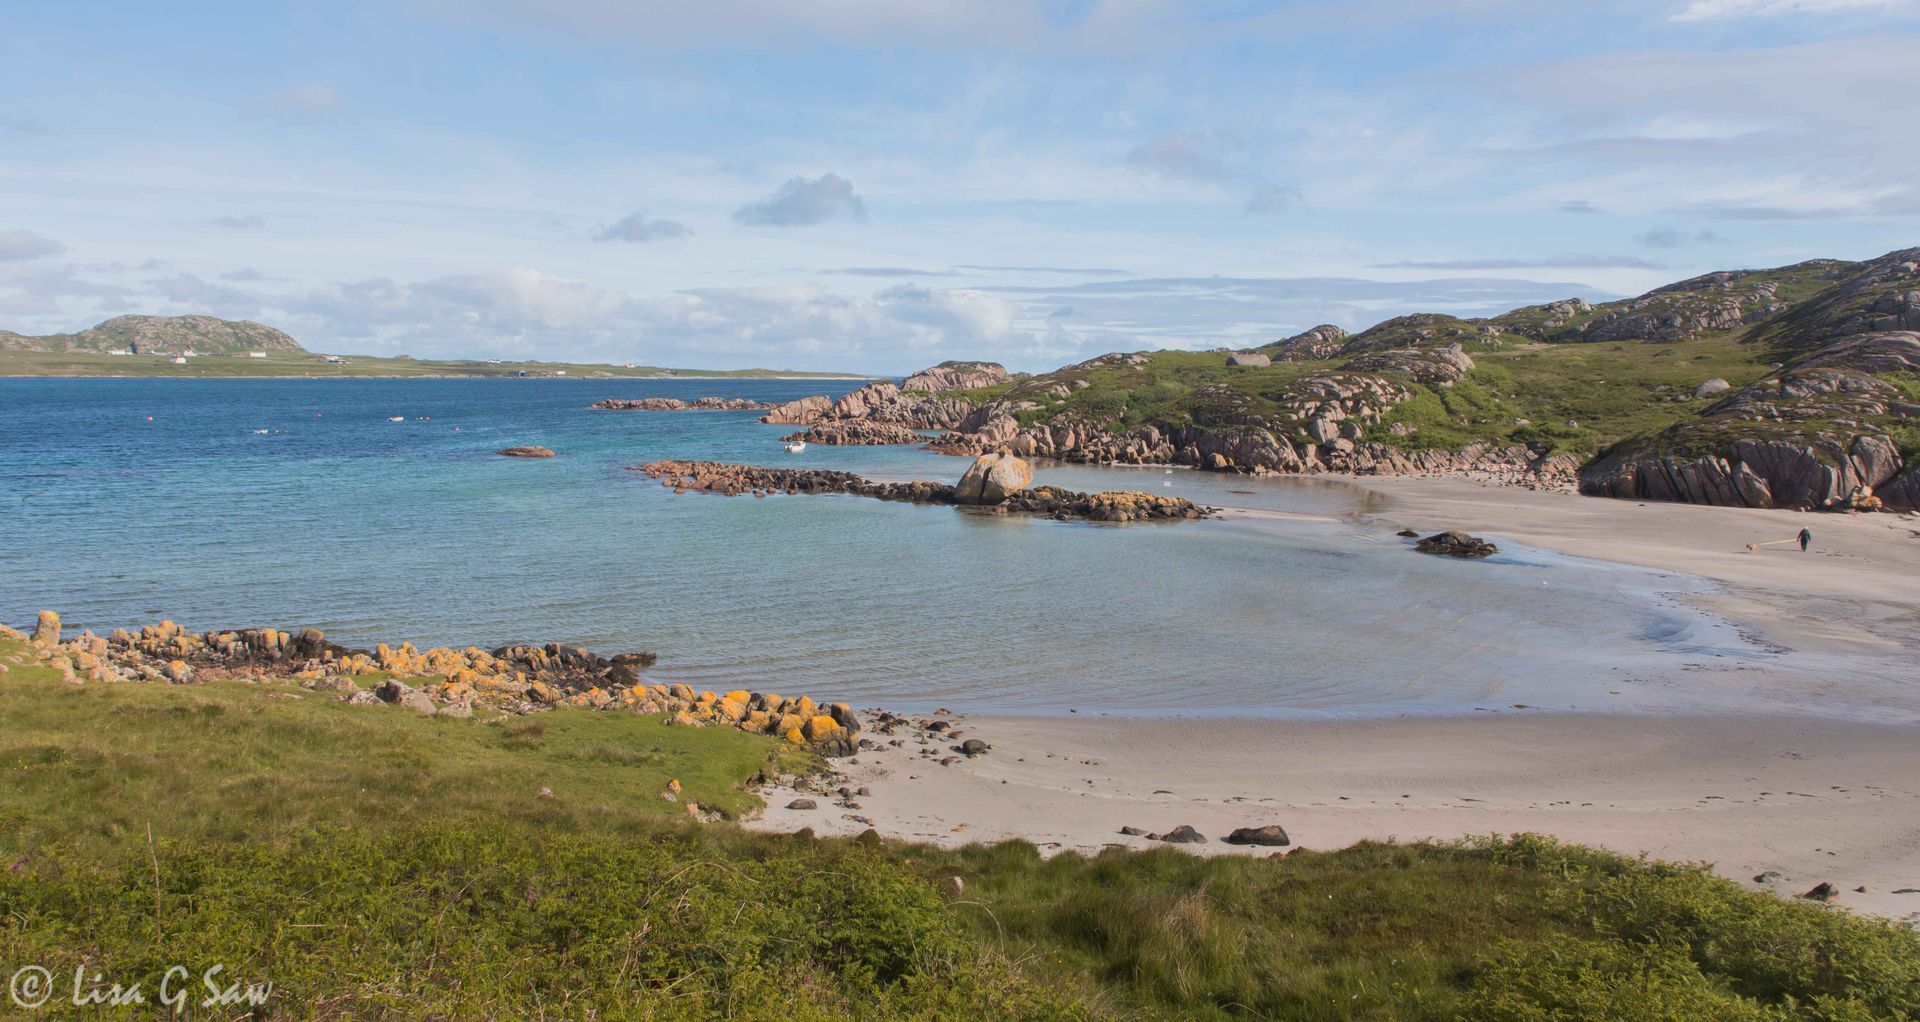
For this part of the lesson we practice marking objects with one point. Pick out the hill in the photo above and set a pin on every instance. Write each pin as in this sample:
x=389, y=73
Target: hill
x=224, y=348
x=1797, y=386
x=160, y=335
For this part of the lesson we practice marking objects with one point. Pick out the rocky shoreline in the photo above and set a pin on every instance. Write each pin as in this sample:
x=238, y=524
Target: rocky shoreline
x=984, y=490
x=441, y=681
x=674, y=404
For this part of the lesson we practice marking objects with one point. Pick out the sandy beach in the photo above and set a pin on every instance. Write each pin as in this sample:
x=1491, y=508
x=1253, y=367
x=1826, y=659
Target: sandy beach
x=1812, y=800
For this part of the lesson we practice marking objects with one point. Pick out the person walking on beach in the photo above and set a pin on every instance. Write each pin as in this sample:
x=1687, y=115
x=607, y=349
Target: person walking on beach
x=1806, y=539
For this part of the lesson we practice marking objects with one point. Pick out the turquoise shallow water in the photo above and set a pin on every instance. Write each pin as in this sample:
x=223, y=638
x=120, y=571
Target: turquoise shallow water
x=380, y=531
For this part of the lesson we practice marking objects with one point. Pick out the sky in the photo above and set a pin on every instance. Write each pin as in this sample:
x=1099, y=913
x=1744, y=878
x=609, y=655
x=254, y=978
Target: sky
x=877, y=186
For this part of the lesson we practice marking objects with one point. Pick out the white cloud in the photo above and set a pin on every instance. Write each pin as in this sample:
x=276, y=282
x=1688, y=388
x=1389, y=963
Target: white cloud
x=1195, y=156
x=305, y=98
x=1713, y=10
x=524, y=311
x=636, y=227
x=1272, y=198
x=23, y=244
x=1668, y=237
x=750, y=24
x=249, y=222
x=801, y=202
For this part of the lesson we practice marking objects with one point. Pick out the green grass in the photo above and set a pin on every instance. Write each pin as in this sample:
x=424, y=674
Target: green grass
x=305, y=364
x=374, y=864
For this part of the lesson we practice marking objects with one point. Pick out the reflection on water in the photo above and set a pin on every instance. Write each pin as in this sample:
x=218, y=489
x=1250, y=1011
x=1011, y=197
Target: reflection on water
x=376, y=530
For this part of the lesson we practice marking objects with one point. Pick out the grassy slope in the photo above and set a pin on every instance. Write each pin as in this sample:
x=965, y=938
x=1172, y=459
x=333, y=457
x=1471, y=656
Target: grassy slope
x=1609, y=390
x=279, y=363
x=374, y=864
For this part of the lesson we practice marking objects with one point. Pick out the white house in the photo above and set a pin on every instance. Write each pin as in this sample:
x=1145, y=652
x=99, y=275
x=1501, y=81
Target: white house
x=256, y=354
x=179, y=360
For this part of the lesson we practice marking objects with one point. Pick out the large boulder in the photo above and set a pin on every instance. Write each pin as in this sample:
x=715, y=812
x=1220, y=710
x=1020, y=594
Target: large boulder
x=1252, y=359
x=992, y=478
x=1271, y=836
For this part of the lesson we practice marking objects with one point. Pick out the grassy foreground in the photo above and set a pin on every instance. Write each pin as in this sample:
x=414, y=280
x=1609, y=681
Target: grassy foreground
x=370, y=863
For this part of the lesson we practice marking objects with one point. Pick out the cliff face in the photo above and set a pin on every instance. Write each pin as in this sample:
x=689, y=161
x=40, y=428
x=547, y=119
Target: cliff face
x=1837, y=425
x=154, y=335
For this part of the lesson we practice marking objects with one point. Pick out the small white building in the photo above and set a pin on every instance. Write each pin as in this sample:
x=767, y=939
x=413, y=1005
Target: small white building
x=559, y=372
x=256, y=354
x=179, y=360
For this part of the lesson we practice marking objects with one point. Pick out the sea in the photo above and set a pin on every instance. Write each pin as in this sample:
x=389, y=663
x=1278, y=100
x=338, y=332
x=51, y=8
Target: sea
x=377, y=511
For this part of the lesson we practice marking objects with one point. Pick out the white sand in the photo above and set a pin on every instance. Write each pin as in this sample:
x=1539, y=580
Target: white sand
x=1813, y=799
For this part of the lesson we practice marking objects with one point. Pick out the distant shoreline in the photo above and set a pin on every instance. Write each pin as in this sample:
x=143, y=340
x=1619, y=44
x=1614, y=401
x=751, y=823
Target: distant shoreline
x=422, y=376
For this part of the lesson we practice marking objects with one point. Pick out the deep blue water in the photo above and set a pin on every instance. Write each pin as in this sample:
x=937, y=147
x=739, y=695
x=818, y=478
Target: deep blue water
x=381, y=531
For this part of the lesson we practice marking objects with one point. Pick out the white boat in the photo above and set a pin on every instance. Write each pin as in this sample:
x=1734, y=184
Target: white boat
x=259, y=432
x=794, y=446
x=396, y=418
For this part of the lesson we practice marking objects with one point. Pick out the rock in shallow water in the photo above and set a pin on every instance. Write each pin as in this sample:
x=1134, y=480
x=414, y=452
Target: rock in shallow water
x=992, y=478
x=525, y=452
x=1454, y=543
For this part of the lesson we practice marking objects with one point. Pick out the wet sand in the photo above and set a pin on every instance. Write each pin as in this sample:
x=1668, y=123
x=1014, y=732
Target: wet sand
x=1812, y=799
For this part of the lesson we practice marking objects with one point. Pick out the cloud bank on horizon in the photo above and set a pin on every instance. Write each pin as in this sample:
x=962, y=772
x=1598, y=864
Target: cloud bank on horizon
x=876, y=186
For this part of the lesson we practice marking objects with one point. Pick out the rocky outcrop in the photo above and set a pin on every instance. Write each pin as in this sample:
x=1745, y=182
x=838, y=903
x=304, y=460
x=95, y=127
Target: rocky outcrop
x=1249, y=359
x=1795, y=471
x=1321, y=342
x=886, y=402
x=1045, y=501
x=674, y=404
x=525, y=452
x=856, y=433
x=1442, y=365
x=992, y=478
x=956, y=376
x=798, y=413
x=521, y=678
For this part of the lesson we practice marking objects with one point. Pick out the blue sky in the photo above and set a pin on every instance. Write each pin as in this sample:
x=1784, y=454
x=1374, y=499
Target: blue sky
x=872, y=185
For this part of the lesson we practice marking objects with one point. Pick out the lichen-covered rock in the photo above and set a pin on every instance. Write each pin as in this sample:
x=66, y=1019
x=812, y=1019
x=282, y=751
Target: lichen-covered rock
x=46, y=629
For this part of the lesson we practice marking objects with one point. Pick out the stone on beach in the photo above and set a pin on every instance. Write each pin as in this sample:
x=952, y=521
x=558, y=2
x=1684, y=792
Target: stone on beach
x=1272, y=836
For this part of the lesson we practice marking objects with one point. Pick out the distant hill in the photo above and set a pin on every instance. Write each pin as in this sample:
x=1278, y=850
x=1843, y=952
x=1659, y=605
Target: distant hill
x=155, y=335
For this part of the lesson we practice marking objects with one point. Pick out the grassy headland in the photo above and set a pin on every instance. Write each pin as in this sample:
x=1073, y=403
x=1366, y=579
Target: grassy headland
x=372, y=863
